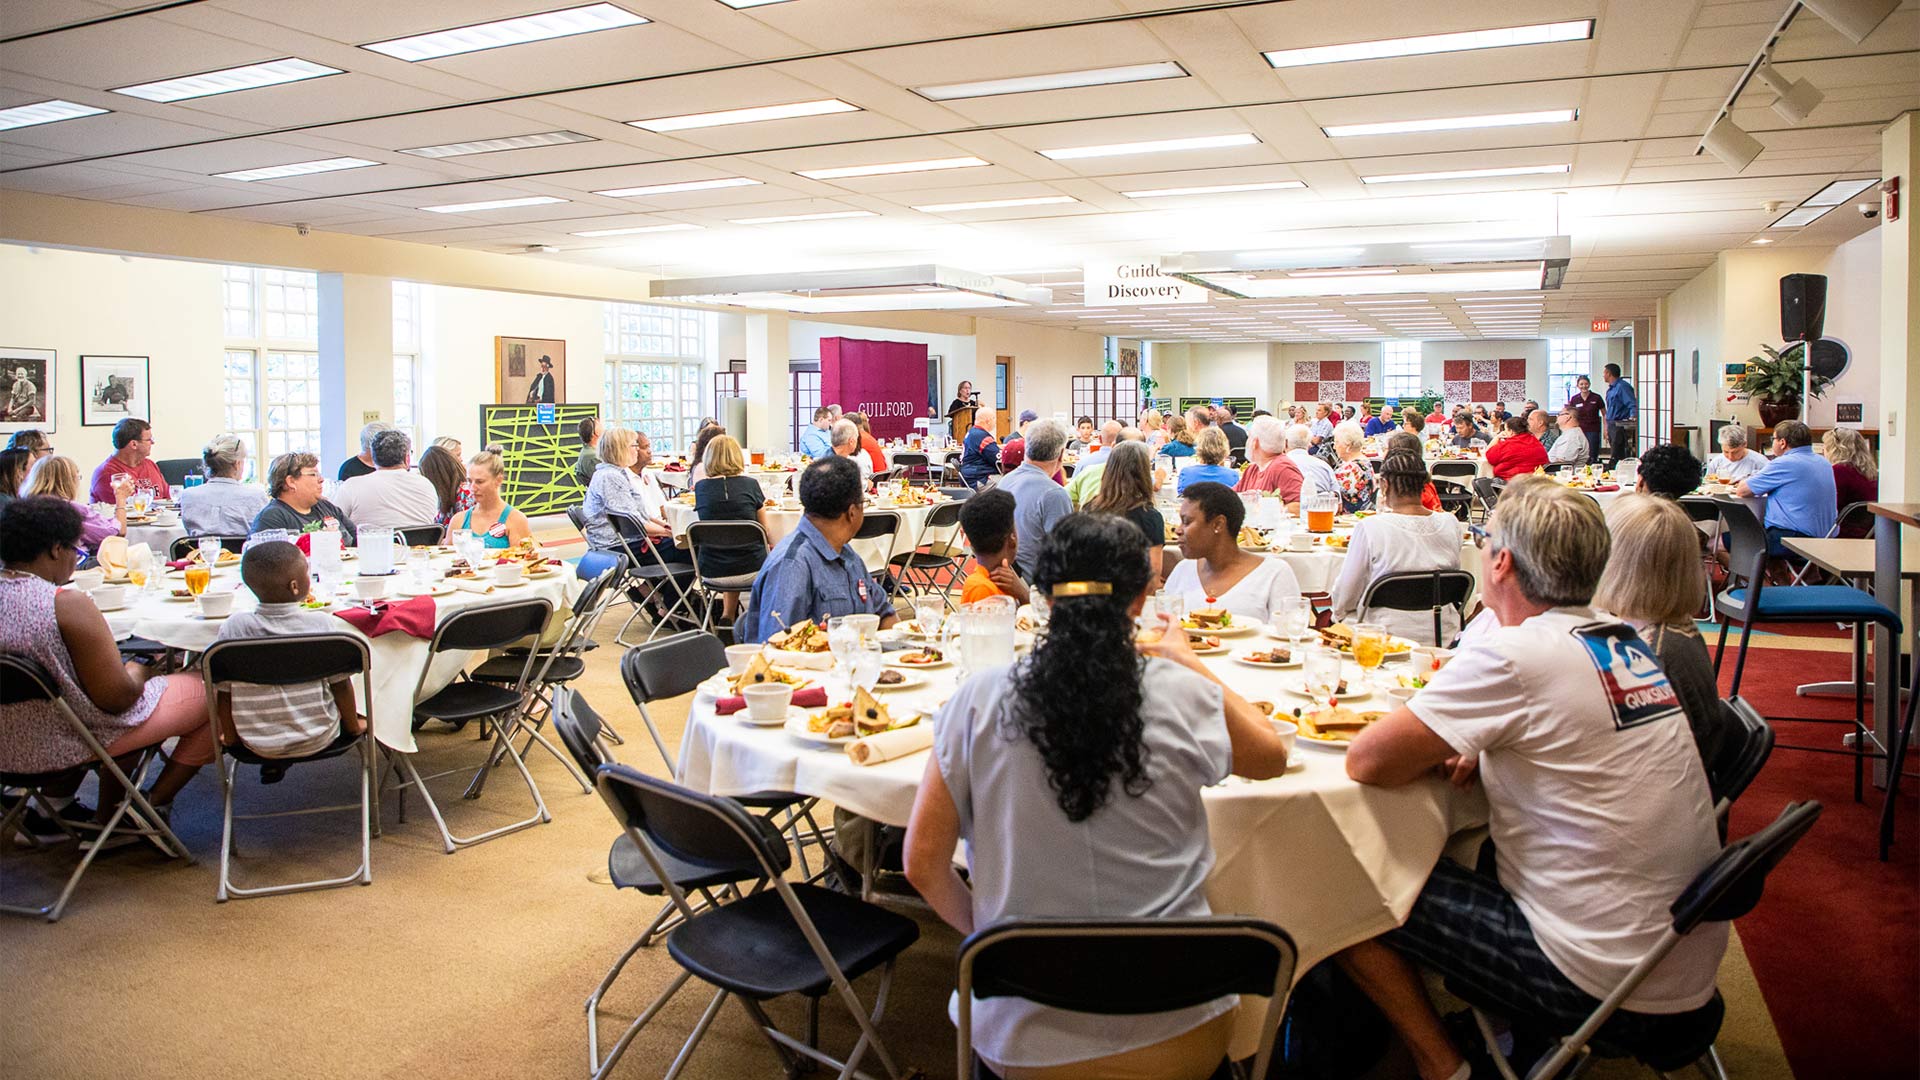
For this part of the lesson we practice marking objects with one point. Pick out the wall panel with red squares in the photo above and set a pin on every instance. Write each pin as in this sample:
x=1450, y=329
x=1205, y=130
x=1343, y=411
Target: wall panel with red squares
x=1332, y=380
x=1483, y=382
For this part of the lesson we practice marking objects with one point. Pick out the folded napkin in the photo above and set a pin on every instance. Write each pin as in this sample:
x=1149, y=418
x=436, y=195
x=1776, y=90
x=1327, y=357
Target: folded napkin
x=415, y=618
x=807, y=661
x=112, y=555
x=889, y=745
x=1607, y=487
x=179, y=564
x=813, y=697
x=471, y=585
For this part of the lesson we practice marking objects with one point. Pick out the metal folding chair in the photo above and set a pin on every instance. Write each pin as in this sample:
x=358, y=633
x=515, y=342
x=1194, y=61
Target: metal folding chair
x=654, y=572
x=1455, y=470
x=479, y=629
x=944, y=552
x=783, y=938
x=23, y=680
x=710, y=536
x=1125, y=967
x=1454, y=497
x=187, y=545
x=423, y=535
x=1422, y=590
x=290, y=661
x=882, y=526
x=1746, y=743
x=1486, y=491
x=915, y=466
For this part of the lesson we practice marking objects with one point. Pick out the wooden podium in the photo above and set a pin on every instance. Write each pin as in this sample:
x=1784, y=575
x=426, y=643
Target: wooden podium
x=962, y=419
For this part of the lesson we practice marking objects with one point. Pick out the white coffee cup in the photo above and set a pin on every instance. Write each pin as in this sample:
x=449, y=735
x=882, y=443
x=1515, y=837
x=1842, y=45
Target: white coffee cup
x=1300, y=542
x=368, y=588
x=767, y=702
x=1288, y=731
x=88, y=580
x=739, y=656
x=1427, y=660
x=507, y=573
x=109, y=597
x=214, y=604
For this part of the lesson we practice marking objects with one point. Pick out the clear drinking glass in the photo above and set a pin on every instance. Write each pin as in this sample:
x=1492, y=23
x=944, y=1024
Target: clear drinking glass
x=1293, y=619
x=210, y=552
x=843, y=638
x=1170, y=603
x=1321, y=671
x=931, y=614
x=867, y=663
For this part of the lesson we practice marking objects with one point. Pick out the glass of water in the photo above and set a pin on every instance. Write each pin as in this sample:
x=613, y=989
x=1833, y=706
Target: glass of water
x=843, y=637
x=210, y=552
x=931, y=614
x=866, y=664
x=1170, y=603
x=1292, y=619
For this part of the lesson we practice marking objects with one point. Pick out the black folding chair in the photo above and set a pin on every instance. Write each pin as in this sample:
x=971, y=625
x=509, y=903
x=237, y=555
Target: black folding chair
x=710, y=537
x=1701, y=510
x=945, y=552
x=957, y=494
x=578, y=517
x=781, y=939
x=1454, y=498
x=883, y=528
x=24, y=681
x=1422, y=590
x=1727, y=888
x=1460, y=470
x=661, y=577
x=479, y=629
x=290, y=661
x=914, y=466
x=1746, y=741
x=176, y=470
x=187, y=545
x=1487, y=491
x=423, y=535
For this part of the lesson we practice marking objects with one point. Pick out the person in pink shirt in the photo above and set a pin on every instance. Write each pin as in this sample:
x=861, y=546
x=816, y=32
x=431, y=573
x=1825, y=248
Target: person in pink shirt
x=132, y=456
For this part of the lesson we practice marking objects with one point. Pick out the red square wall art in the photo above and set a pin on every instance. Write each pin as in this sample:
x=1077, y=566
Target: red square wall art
x=1483, y=382
x=1332, y=380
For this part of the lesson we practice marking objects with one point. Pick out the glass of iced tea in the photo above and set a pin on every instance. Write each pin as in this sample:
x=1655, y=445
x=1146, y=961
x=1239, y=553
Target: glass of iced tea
x=1369, y=647
x=198, y=578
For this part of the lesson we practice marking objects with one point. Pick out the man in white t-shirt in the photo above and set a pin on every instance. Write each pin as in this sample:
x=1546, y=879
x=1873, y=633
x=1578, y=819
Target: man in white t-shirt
x=392, y=494
x=1600, y=813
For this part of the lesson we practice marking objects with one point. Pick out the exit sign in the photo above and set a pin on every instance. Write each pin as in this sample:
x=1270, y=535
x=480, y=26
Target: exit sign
x=1601, y=326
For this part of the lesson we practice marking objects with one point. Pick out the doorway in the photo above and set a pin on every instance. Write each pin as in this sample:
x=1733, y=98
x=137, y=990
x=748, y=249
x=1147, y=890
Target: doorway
x=1002, y=396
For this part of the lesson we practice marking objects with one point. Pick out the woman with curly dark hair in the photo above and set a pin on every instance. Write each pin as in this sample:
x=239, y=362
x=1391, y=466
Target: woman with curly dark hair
x=1075, y=776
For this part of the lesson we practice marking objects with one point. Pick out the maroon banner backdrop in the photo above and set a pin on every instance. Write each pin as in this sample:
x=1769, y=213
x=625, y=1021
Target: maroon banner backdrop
x=887, y=380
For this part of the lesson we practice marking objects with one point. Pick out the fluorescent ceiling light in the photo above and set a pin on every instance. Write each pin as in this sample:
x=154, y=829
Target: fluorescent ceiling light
x=1453, y=123
x=45, y=112
x=1762, y=240
x=669, y=189
x=518, y=31
x=1489, y=299
x=803, y=217
x=745, y=116
x=298, y=168
x=1442, y=282
x=1805, y=215
x=1465, y=174
x=1345, y=272
x=228, y=80
x=1157, y=146
x=493, y=204
x=488, y=146
x=738, y=4
x=1839, y=191
x=1213, y=189
x=994, y=204
x=1378, y=303
x=1535, y=34
x=931, y=165
x=678, y=226
x=1063, y=80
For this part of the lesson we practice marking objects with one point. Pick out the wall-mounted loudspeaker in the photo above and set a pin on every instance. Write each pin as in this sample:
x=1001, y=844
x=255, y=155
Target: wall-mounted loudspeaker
x=1803, y=306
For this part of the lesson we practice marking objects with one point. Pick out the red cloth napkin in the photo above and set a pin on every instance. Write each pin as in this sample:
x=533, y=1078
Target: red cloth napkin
x=179, y=564
x=415, y=617
x=1607, y=487
x=813, y=697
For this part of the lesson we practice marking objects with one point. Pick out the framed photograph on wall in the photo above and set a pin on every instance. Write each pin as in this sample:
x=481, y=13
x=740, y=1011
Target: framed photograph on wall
x=529, y=371
x=27, y=381
x=113, y=388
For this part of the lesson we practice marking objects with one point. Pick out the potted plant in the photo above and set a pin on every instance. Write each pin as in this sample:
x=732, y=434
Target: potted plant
x=1773, y=380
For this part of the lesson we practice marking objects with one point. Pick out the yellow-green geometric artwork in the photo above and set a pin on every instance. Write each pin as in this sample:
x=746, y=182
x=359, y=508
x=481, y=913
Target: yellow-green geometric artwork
x=538, y=457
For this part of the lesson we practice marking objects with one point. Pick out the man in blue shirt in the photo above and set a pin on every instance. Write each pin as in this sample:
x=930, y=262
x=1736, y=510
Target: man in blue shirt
x=1798, y=484
x=1623, y=415
x=812, y=573
x=1383, y=424
x=979, y=453
x=815, y=442
x=1038, y=502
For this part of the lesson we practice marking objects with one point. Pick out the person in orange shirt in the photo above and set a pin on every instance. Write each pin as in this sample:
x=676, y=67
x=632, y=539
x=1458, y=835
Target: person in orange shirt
x=987, y=521
x=870, y=445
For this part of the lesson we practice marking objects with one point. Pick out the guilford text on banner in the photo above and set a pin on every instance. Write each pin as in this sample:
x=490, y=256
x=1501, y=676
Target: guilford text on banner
x=1135, y=282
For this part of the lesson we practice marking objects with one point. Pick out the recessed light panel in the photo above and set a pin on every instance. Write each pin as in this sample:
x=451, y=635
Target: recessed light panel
x=1805, y=215
x=44, y=112
x=298, y=168
x=1212, y=189
x=888, y=168
x=492, y=204
x=503, y=32
x=1063, y=80
x=1158, y=146
x=678, y=226
x=1535, y=34
x=738, y=4
x=995, y=204
x=228, y=80
x=804, y=217
x=669, y=189
x=1453, y=123
x=511, y=142
x=1465, y=174
x=753, y=115
x=1839, y=191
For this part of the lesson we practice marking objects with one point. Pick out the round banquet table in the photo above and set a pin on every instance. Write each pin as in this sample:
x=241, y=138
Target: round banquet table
x=913, y=520
x=397, y=658
x=1331, y=861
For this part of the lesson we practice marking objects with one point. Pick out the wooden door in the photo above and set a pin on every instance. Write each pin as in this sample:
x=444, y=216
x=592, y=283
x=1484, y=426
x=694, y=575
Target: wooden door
x=1653, y=382
x=1002, y=396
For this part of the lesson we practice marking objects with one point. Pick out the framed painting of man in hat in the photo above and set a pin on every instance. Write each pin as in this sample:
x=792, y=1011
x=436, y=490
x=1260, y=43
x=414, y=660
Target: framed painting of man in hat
x=529, y=371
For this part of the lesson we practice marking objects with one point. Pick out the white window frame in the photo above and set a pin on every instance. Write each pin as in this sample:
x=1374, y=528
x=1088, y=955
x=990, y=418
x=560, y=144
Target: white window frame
x=407, y=416
x=1568, y=358
x=655, y=378
x=271, y=318
x=1400, y=369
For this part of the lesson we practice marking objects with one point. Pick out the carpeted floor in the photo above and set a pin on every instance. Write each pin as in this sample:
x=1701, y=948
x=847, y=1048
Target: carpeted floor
x=477, y=964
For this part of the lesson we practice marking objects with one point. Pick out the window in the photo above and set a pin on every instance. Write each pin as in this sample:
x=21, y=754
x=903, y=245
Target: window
x=271, y=366
x=1653, y=382
x=406, y=361
x=655, y=376
x=1400, y=369
x=1106, y=397
x=1567, y=360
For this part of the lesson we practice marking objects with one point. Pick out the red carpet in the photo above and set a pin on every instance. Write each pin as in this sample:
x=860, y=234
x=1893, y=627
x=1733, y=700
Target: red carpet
x=1835, y=943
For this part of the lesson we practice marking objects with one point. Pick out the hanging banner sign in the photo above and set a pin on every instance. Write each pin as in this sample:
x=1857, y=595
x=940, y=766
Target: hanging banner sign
x=1137, y=282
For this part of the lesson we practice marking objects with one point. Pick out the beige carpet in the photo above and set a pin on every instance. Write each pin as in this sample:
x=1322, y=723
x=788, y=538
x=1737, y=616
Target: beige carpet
x=470, y=965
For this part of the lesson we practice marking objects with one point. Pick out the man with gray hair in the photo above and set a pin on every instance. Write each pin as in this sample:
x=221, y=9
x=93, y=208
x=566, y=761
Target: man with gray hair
x=362, y=465
x=1038, y=502
x=846, y=444
x=1268, y=467
x=391, y=495
x=1601, y=813
x=1317, y=473
x=223, y=506
x=1735, y=461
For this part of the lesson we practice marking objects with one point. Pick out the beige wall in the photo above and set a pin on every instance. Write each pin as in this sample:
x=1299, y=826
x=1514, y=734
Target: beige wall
x=457, y=363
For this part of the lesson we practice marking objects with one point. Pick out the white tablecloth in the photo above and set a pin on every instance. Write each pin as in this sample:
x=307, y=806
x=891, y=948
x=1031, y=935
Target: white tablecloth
x=158, y=538
x=398, y=658
x=780, y=522
x=1331, y=861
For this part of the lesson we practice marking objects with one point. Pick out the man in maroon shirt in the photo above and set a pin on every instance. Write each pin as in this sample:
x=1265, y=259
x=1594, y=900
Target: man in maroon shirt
x=1587, y=408
x=132, y=456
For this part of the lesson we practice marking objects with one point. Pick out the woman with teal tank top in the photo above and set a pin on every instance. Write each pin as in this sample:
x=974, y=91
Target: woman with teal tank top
x=490, y=516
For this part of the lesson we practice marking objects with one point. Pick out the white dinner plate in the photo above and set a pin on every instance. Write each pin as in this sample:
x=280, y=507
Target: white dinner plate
x=1293, y=663
x=437, y=590
x=793, y=711
x=910, y=680
x=510, y=584
x=796, y=725
x=892, y=661
x=204, y=617
x=1238, y=629
x=1215, y=651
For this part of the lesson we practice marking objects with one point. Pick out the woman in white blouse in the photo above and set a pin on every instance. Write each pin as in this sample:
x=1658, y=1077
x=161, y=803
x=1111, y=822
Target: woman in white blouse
x=1407, y=537
x=1075, y=776
x=1214, y=572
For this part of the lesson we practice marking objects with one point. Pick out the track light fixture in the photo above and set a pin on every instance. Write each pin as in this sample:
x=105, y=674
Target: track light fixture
x=1735, y=148
x=1853, y=18
x=1795, y=99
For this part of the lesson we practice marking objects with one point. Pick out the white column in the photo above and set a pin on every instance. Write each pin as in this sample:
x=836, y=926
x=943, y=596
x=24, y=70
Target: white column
x=356, y=361
x=1900, y=319
x=768, y=398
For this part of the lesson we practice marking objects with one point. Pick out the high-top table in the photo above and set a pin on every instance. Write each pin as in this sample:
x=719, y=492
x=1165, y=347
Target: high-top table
x=1888, y=519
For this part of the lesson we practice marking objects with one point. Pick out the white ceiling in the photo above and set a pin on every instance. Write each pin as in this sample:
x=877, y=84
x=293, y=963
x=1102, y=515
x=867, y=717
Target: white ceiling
x=1643, y=212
